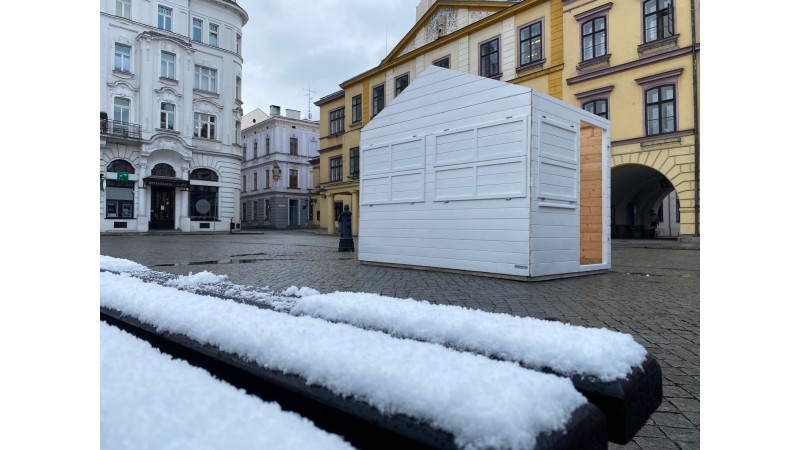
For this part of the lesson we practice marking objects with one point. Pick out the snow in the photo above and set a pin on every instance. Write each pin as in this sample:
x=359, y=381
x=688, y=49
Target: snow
x=149, y=400
x=202, y=278
x=483, y=402
x=567, y=349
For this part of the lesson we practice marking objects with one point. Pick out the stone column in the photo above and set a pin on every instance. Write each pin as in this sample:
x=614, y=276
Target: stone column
x=328, y=214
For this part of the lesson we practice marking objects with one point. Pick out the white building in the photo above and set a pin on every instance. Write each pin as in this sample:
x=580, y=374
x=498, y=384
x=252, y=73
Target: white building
x=276, y=176
x=170, y=114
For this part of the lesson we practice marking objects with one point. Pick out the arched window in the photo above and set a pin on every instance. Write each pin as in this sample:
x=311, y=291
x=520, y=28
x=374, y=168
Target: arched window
x=204, y=175
x=119, y=191
x=203, y=203
x=119, y=165
x=163, y=170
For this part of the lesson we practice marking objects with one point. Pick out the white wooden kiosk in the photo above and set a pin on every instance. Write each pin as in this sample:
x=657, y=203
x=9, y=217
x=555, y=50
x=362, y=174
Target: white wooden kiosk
x=465, y=173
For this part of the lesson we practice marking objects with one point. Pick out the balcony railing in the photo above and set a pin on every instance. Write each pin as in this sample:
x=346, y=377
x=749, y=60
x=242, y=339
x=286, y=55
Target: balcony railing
x=123, y=129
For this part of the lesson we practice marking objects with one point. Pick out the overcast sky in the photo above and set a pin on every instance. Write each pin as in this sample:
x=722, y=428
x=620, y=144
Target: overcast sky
x=290, y=47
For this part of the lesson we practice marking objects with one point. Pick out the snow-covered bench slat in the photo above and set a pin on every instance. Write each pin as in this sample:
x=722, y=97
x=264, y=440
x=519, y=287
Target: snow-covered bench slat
x=482, y=403
x=611, y=369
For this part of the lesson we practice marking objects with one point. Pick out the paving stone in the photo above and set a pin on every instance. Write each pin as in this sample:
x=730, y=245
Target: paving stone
x=676, y=420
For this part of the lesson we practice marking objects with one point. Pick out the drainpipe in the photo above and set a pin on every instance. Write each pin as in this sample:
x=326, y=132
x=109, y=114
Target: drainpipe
x=696, y=131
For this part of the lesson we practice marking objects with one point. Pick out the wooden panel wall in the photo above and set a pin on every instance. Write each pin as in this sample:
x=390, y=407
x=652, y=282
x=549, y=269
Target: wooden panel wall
x=591, y=194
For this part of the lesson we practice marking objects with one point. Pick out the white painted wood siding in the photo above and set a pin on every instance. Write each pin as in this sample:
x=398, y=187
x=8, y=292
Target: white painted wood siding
x=474, y=214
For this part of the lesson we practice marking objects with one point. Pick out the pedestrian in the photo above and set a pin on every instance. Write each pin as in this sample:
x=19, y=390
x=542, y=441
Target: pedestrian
x=653, y=223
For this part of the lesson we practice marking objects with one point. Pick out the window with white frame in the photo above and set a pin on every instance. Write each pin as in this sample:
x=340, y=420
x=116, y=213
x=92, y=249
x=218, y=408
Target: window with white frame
x=530, y=43
x=244, y=151
x=197, y=30
x=164, y=18
x=123, y=9
x=238, y=44
x=213, y=35
x=293, y=178
x=255, y=148
x=490, y=58
x=266, y=145
x=205, y=79
x=122, y=58
x=167, y=116
x=293, y=146
x=593, y=38
x=122, y=109
x=239, y=88
x=168, y=65
x=659, y=20
x=205, y=126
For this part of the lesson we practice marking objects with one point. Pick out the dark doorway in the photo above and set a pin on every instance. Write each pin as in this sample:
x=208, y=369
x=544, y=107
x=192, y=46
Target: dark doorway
x=162, y=208
x=293, y=213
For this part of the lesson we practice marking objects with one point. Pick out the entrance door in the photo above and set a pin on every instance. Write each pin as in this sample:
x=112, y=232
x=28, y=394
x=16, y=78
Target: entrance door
x=162, y=208
x=293, y=211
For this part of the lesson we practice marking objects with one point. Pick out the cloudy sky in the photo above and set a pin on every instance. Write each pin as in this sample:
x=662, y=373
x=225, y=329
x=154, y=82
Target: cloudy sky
x=291, y=47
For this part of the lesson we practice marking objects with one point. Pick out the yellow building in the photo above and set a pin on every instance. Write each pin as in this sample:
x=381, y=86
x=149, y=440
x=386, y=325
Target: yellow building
x=630, y=62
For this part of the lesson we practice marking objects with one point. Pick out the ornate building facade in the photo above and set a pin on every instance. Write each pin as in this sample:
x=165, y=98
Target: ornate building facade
x=634, y=63
x=170, y=115
x=276, y=173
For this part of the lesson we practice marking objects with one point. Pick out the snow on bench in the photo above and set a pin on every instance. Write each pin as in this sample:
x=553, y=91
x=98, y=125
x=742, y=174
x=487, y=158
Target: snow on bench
x=610, y=368
x=149, y=400
x=482, y=402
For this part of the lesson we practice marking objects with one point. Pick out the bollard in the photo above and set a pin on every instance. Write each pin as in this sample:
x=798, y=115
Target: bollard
x=345, y=231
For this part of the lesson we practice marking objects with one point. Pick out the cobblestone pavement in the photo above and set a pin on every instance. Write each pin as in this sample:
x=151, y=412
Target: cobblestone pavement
x=652, y=293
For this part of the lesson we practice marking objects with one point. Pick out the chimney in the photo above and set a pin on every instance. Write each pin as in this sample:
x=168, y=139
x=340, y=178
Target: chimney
x=422, y=8
x=274, y=110
x=292, y=113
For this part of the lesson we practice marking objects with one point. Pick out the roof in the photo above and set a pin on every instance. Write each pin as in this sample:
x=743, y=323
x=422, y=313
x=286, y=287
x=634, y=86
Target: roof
x=329, y=97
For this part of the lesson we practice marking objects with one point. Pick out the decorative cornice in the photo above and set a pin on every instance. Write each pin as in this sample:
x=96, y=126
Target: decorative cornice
x=631, y=65
x=594, y=92
x=602, y=9
x=330, y=97
x=167, y=141
x=646, y=139
x=330, y=149
x=659, y=77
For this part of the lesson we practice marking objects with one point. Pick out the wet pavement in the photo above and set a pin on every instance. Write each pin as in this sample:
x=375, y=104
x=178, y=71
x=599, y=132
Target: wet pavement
x=652, y=292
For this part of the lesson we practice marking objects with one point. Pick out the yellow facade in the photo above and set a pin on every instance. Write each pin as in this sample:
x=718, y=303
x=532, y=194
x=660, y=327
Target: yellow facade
x=621, y=76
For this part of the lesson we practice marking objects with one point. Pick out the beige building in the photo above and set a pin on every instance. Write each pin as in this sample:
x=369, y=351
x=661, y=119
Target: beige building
x=630, y=62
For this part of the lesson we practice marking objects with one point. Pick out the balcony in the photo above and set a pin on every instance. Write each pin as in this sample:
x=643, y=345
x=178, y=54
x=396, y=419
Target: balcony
x=116, y=128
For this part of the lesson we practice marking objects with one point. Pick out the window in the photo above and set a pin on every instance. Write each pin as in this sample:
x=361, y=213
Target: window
x=443, y=62
x=530, y=43
x=593, y=37
x=400, y=83
x=660, y=110
x=119, y=194
x=598, y=107
x=205, y=126
x=354, y=152
x=168, y=65
x=490, y=58
x=266, y=179
x=267, y=207
x=213, y=35
x=255, y=148
x=122, y=110
x=238, y=44
x=238, y=87
x=293, y=178
x=266, y=145
x=164, y=18
x=197, y=30
x=255, y=181
x=377, y=100
x=124, y=8
x=205, y=79
x=293, y=146
x=244, y=211
x=163, y=170
x=337, y=121
x=659, y=20
x=203, y=203
x=677, y=210
x=255, y=210
x=244, y=151
x=244, y=183
x=167, y=116
x=336, y=168
x=122, y=58
x=237, y=132
x=356, y=109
